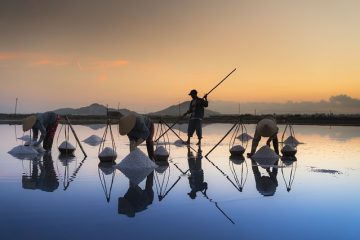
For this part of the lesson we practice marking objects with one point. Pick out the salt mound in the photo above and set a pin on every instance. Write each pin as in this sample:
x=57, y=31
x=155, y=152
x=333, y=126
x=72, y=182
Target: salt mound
x=237, y=150
x=108, y=152
x=136, y=166
x=291, y=141
x=161, y=151
x=23, y=152
x=244, y=137
x=265, y=156
x=25, y=138
x=179, y=143
x=66, y=145
x=93, y=140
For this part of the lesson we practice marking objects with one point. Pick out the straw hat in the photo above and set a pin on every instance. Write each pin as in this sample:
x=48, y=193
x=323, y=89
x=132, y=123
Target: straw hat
x=126, y=124
x=267, y=127
x=28, y=122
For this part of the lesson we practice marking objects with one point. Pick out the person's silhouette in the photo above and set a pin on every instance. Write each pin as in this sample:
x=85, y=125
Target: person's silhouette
x=266, y=185
x=136, y=199
x=196, y=178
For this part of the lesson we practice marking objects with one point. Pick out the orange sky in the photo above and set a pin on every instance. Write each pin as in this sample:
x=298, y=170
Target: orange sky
x=149, y=54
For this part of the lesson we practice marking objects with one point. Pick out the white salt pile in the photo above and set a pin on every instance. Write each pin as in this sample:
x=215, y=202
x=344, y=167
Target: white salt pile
x=66, y=148
x=29, y=142
x=288, y=150
x=237, y=150
x=265, y=156
x=161, y=154
x=39, y=149
x=161, y=151
x=179, y=143
x=25, y=138
x=93, y=140
x=66, y=145
x=23, y=152
x=108, y=152
x=136, y=166
x=244, y=137
x=291, y=140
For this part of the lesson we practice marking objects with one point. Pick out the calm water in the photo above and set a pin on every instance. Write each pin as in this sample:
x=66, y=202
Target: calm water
x=316, y=197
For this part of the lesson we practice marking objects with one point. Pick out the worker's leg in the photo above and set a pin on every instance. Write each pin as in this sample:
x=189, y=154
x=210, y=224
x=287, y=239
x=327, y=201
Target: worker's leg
x=198, y=129
x=50, y=134
x=191, y=129
x=150, y=142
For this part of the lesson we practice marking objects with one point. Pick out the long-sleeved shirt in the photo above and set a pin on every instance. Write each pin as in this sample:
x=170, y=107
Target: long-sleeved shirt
x=141, y=128
x=196, y=108
x=43, y=120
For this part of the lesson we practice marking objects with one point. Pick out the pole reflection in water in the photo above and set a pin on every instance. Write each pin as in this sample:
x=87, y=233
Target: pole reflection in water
x=106, y=169
x=196, y=180
x=71, y=168
x=136, y=199
x=239, y=162
x=266, y=185
x=41, y=174
x=288, y=163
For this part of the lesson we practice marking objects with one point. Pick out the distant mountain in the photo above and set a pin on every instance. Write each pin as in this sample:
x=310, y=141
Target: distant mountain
x=93, y=109
x=176, y=110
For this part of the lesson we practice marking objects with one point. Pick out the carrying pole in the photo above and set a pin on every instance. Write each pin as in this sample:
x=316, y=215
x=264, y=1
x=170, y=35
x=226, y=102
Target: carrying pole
x=77, y=139
x=221, y=82
x=204, y=96
x=222, y=139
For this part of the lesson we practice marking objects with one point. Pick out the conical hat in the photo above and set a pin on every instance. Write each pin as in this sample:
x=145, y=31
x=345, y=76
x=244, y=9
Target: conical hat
x=267, y=127
x=28, y=122
x=126, y=124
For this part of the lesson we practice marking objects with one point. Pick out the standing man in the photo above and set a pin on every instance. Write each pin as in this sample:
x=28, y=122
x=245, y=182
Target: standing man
x=196, y=109
x=266, y=127
x=138, y=128
x=46, y=123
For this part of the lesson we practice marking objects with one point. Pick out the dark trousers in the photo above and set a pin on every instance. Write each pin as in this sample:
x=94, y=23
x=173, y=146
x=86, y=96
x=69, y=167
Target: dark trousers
x=50, y=134
x=195, y=125
x=150, y=142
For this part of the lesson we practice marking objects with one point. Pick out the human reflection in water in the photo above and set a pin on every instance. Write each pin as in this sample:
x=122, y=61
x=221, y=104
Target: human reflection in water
x=46, y=180
x=196, y=178
x=266, y=185
x=136, y=199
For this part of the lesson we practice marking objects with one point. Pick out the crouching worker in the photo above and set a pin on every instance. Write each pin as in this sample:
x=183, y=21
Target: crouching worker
x=266, y=127
x=138, y=128
x=46, y=123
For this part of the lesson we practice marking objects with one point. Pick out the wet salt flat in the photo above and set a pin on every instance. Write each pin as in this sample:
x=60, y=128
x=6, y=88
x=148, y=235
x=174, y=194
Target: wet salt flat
x=47, y=197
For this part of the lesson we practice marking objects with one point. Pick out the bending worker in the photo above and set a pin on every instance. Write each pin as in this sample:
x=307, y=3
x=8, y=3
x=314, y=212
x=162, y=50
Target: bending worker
x=138, y=128
x=266, y=127
x=46, y=123
x=196, y=109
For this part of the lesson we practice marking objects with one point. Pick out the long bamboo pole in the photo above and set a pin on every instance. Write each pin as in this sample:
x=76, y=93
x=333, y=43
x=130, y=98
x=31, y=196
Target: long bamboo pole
x=77, y=139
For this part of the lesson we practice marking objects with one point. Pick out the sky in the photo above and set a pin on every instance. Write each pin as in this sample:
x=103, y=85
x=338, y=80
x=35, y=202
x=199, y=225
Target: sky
x=146, y=55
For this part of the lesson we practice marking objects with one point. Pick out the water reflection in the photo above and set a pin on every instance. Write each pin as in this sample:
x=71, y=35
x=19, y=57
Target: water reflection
x=41, y=174
x=137, y=199
x=266, y=185
x=69, y=168
x=106, y=173
x=196, y=177
x=288, y=171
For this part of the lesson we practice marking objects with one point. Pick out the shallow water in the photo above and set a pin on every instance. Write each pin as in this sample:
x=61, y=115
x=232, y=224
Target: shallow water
x=315, y=197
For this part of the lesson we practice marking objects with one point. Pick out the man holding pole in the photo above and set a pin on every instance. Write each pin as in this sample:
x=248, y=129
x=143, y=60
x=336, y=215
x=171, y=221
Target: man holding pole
x=196, y=109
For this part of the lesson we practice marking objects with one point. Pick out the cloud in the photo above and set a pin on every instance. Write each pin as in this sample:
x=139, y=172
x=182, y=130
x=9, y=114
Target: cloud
x=100, y=65
x=47, y=62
